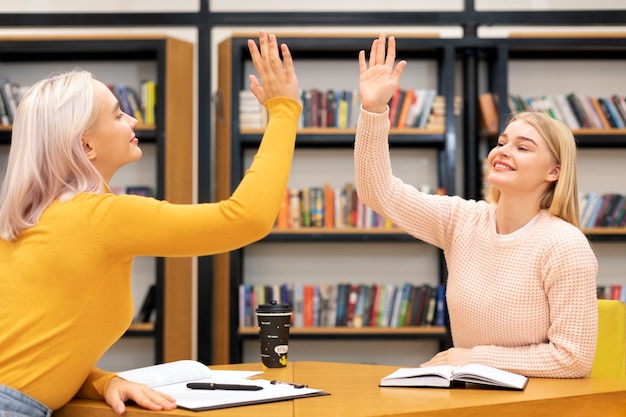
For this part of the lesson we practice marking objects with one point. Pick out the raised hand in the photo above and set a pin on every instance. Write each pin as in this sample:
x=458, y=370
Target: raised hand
x=378, y=83
x=277, y=78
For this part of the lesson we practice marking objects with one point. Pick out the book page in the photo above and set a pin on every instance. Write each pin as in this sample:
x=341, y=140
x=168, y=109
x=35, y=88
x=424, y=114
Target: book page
x=434, y=376
x=167, y=373
x=482, y=374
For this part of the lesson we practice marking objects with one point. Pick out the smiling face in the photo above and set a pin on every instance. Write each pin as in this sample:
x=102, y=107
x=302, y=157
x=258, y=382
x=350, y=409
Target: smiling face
x=521, y=162
x=110, y=143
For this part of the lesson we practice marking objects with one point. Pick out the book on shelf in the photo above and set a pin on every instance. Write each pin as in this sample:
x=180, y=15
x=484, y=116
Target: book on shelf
x=395, y=105
x=446, y=376
x=172, y=378
x=490, y=121
x=148, y=94
x=148, y=306
x=409, y=101
x=252, y=114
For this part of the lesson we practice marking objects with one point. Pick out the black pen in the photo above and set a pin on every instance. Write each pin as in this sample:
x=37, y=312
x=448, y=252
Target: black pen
x=214, y=386
x=275, y=381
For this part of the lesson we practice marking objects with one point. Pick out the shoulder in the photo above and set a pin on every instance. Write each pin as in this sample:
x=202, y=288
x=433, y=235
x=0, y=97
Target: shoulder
x=560, y=230
x=565, y=241
x=103, y=204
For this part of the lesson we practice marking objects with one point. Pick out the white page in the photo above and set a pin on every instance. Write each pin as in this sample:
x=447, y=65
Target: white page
x=478, y=373
x=179, y=371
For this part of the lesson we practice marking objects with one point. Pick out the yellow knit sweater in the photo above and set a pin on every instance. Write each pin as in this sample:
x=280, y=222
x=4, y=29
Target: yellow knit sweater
x=524, y=302
x=65, y=293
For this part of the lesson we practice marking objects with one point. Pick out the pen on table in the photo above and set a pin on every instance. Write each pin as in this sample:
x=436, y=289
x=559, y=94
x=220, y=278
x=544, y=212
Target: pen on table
x=215, y=386
x=275, y=381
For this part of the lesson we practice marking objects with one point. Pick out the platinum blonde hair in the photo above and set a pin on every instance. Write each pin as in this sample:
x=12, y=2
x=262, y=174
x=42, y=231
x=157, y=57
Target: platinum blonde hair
x=46, y=160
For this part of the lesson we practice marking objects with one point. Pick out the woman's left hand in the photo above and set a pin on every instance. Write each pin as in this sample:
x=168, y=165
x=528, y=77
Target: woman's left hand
x=452, y=356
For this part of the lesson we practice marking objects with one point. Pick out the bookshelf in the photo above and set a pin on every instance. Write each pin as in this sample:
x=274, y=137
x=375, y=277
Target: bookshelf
x=167, y=149
x=550, y=64
x=328, y=256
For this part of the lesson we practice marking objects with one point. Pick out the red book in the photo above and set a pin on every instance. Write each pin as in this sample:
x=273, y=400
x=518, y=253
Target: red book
x=616, y=292
x=394, y=106
x=308, y=311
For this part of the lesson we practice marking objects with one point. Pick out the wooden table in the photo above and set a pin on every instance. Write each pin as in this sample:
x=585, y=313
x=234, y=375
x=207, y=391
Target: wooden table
x=354, y=392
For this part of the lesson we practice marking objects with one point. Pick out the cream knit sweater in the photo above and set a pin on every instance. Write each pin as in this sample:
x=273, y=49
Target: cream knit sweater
x=523, y=302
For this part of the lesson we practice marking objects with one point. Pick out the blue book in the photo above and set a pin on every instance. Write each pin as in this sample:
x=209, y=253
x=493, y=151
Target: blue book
x=441, y=311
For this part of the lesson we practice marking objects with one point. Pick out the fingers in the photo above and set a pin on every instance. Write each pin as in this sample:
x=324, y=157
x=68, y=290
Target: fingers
x=372, y=60
x=153, y=400
x=380, y=49
x=391, y=51
x=362, y=64
x=276, y=76
x=290, y=70
x=381, y=54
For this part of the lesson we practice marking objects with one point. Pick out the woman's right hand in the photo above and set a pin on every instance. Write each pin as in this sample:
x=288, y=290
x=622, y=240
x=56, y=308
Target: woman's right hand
x=277, y=78
x=379, y=82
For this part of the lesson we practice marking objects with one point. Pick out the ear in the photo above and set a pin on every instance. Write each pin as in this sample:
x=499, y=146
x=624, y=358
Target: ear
x=89, y=151
x=554, y=173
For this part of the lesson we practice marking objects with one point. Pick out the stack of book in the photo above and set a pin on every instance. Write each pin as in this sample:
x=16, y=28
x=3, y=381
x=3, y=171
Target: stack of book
x=252, y=114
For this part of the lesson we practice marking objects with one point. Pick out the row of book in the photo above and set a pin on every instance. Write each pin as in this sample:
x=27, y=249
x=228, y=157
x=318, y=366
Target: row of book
x=349, y=305
x=331, y=208
x=142, y=107
x=576, y=110
x=327, y=207
x=602, y=210
x=320, y=108
x=612, y=292
x=419, y=107
x=329, y=108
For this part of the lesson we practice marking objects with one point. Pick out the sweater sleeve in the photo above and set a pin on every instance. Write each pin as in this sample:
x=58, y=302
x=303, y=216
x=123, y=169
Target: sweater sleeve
x=427, y=217
x=135, y=226
x=95, y=385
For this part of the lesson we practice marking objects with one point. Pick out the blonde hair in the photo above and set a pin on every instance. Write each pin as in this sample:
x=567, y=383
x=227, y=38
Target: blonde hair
x=561, y=198
x=46, y=160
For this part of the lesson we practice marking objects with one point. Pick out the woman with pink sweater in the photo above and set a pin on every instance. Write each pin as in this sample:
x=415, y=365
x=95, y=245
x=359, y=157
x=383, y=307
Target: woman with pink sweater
x=521, y=286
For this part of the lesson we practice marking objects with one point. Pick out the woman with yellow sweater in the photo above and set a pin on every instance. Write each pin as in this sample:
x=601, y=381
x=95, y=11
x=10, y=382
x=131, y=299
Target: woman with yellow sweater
x=67, y=244
x=521, y=287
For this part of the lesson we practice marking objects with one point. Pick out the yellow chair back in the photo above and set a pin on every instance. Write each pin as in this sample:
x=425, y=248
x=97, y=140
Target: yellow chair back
x=610, y=359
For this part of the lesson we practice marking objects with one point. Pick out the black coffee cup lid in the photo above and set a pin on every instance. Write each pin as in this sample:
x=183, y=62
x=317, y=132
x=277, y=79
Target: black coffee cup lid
x=274, y=307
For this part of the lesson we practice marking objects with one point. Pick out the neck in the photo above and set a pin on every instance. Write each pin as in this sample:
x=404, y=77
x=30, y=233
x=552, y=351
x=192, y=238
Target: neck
x=513, y=215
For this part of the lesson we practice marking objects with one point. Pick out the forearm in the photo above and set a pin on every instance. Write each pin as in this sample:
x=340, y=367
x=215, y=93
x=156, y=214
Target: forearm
x=371, y=159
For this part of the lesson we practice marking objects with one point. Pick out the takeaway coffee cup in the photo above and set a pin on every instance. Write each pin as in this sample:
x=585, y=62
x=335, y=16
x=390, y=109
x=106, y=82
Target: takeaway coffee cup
x=274, y=321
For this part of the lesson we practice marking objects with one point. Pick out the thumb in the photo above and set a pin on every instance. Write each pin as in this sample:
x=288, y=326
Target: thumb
x=117, y=405
x=119, y=409
x=256, y=88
